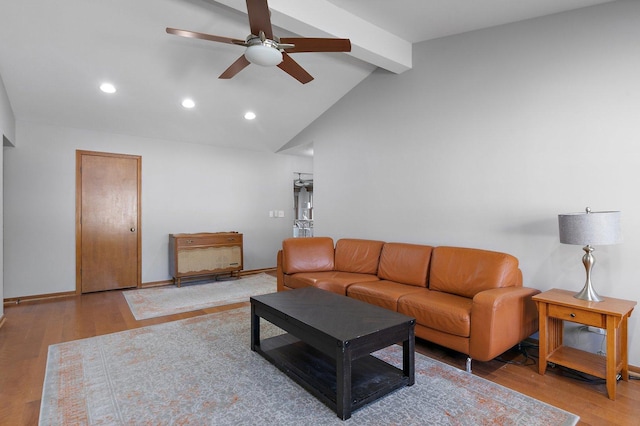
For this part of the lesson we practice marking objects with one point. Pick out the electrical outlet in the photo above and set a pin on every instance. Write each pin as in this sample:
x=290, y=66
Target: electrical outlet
x=596, y=330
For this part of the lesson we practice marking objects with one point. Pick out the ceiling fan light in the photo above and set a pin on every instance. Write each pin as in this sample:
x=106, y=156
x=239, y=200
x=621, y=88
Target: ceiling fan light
x=260, y=54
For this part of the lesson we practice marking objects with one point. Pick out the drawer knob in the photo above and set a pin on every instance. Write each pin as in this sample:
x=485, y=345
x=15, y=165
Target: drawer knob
x=572, y=315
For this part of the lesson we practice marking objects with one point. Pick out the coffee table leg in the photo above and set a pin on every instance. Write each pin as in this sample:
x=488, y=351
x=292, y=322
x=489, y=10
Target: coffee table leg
x=255, y=329
x=343, y=382
x=408, y=356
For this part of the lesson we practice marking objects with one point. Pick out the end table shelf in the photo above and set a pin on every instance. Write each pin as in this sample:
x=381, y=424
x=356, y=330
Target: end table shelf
x=579, y=360
x=556, y=306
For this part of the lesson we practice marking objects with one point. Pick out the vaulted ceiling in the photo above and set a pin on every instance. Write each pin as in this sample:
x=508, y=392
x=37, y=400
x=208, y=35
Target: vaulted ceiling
x=55, y=54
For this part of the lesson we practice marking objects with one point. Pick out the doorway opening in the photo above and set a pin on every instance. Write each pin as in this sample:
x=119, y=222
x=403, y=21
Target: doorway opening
x=303, y=205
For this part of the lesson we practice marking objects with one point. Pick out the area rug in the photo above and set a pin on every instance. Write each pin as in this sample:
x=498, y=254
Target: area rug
x=200, y=371
x=161, y=301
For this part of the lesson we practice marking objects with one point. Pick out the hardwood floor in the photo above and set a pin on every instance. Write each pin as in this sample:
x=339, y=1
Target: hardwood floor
x=30, y=328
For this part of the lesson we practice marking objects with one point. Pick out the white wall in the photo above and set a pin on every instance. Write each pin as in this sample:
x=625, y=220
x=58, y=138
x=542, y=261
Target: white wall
x=7, y=130
x=185, y=188
x=488, y=138
x=7, y=119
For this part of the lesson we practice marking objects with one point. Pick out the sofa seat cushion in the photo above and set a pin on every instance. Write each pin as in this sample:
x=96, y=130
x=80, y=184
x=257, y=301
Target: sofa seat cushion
x=441, y=311
x=360, y=256
x=405, y=263
x=334, y=281
x=382, y=293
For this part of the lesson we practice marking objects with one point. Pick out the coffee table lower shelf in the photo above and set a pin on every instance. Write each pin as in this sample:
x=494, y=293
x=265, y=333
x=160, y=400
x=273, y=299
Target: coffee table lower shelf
x=371, y=378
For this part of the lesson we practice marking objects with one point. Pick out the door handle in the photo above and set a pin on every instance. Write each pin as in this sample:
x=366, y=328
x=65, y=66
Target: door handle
x=132, y=229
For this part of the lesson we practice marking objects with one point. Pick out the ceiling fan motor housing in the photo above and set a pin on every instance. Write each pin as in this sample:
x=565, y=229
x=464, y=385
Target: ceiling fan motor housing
x=263, y=52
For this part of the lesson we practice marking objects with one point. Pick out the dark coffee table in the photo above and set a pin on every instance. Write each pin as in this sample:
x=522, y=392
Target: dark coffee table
x=328, y=345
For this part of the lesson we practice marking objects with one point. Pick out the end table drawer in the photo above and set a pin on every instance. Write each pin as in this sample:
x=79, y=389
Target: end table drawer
x=578, y=315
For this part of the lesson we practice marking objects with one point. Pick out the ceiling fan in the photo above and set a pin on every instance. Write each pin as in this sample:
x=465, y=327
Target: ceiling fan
x=263, y=48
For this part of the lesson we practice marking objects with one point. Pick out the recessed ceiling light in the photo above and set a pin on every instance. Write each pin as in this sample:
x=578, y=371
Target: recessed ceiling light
x=250, y=115
x=188, y=103
x=108, y=88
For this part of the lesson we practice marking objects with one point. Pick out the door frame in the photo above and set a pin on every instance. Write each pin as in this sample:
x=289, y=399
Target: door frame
x=79, y=154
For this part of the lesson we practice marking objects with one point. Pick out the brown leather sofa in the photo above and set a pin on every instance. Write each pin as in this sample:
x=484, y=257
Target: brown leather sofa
x=468, y=300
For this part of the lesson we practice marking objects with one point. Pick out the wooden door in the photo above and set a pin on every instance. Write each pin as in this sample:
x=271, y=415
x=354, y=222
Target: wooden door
x=108, y=238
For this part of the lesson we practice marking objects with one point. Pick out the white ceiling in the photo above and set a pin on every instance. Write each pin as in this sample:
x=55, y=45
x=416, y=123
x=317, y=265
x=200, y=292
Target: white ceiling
x=54, y=55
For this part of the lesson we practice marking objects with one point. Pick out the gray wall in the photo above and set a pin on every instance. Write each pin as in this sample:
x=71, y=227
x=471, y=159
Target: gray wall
x=488, y=138
x=185, y=188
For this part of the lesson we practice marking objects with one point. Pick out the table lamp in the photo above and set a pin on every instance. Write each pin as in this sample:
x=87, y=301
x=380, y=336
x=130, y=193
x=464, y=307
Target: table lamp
x=589, y=229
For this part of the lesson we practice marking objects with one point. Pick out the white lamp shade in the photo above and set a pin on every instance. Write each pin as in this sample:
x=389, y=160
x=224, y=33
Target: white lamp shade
x=594, y=228
x=260, y=54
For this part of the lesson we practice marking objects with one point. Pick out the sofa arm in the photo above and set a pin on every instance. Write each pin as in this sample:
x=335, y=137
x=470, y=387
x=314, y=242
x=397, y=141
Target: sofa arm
x=279, y=272
x=500, y=319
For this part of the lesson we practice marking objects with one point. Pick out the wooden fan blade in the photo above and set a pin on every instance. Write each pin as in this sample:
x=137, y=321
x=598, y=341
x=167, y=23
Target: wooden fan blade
x=304, y=44
x=235, y=68
x=259, y=18
x=294, y=69
x=202, y=36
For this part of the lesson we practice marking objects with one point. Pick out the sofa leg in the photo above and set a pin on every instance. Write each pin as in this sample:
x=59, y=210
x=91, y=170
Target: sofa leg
x=469, y=365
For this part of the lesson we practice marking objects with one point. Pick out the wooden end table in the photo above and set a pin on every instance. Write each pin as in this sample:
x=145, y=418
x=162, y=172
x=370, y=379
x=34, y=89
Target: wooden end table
x=556, y=306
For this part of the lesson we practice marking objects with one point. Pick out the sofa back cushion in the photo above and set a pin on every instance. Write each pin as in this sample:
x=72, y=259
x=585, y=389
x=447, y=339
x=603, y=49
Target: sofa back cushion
x=359, y=256
x=466, y=271
x=405, y=263
x=312, y=254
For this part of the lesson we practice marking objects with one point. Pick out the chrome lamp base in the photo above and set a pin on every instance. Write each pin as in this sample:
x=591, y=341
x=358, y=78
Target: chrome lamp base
x=588, y=293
